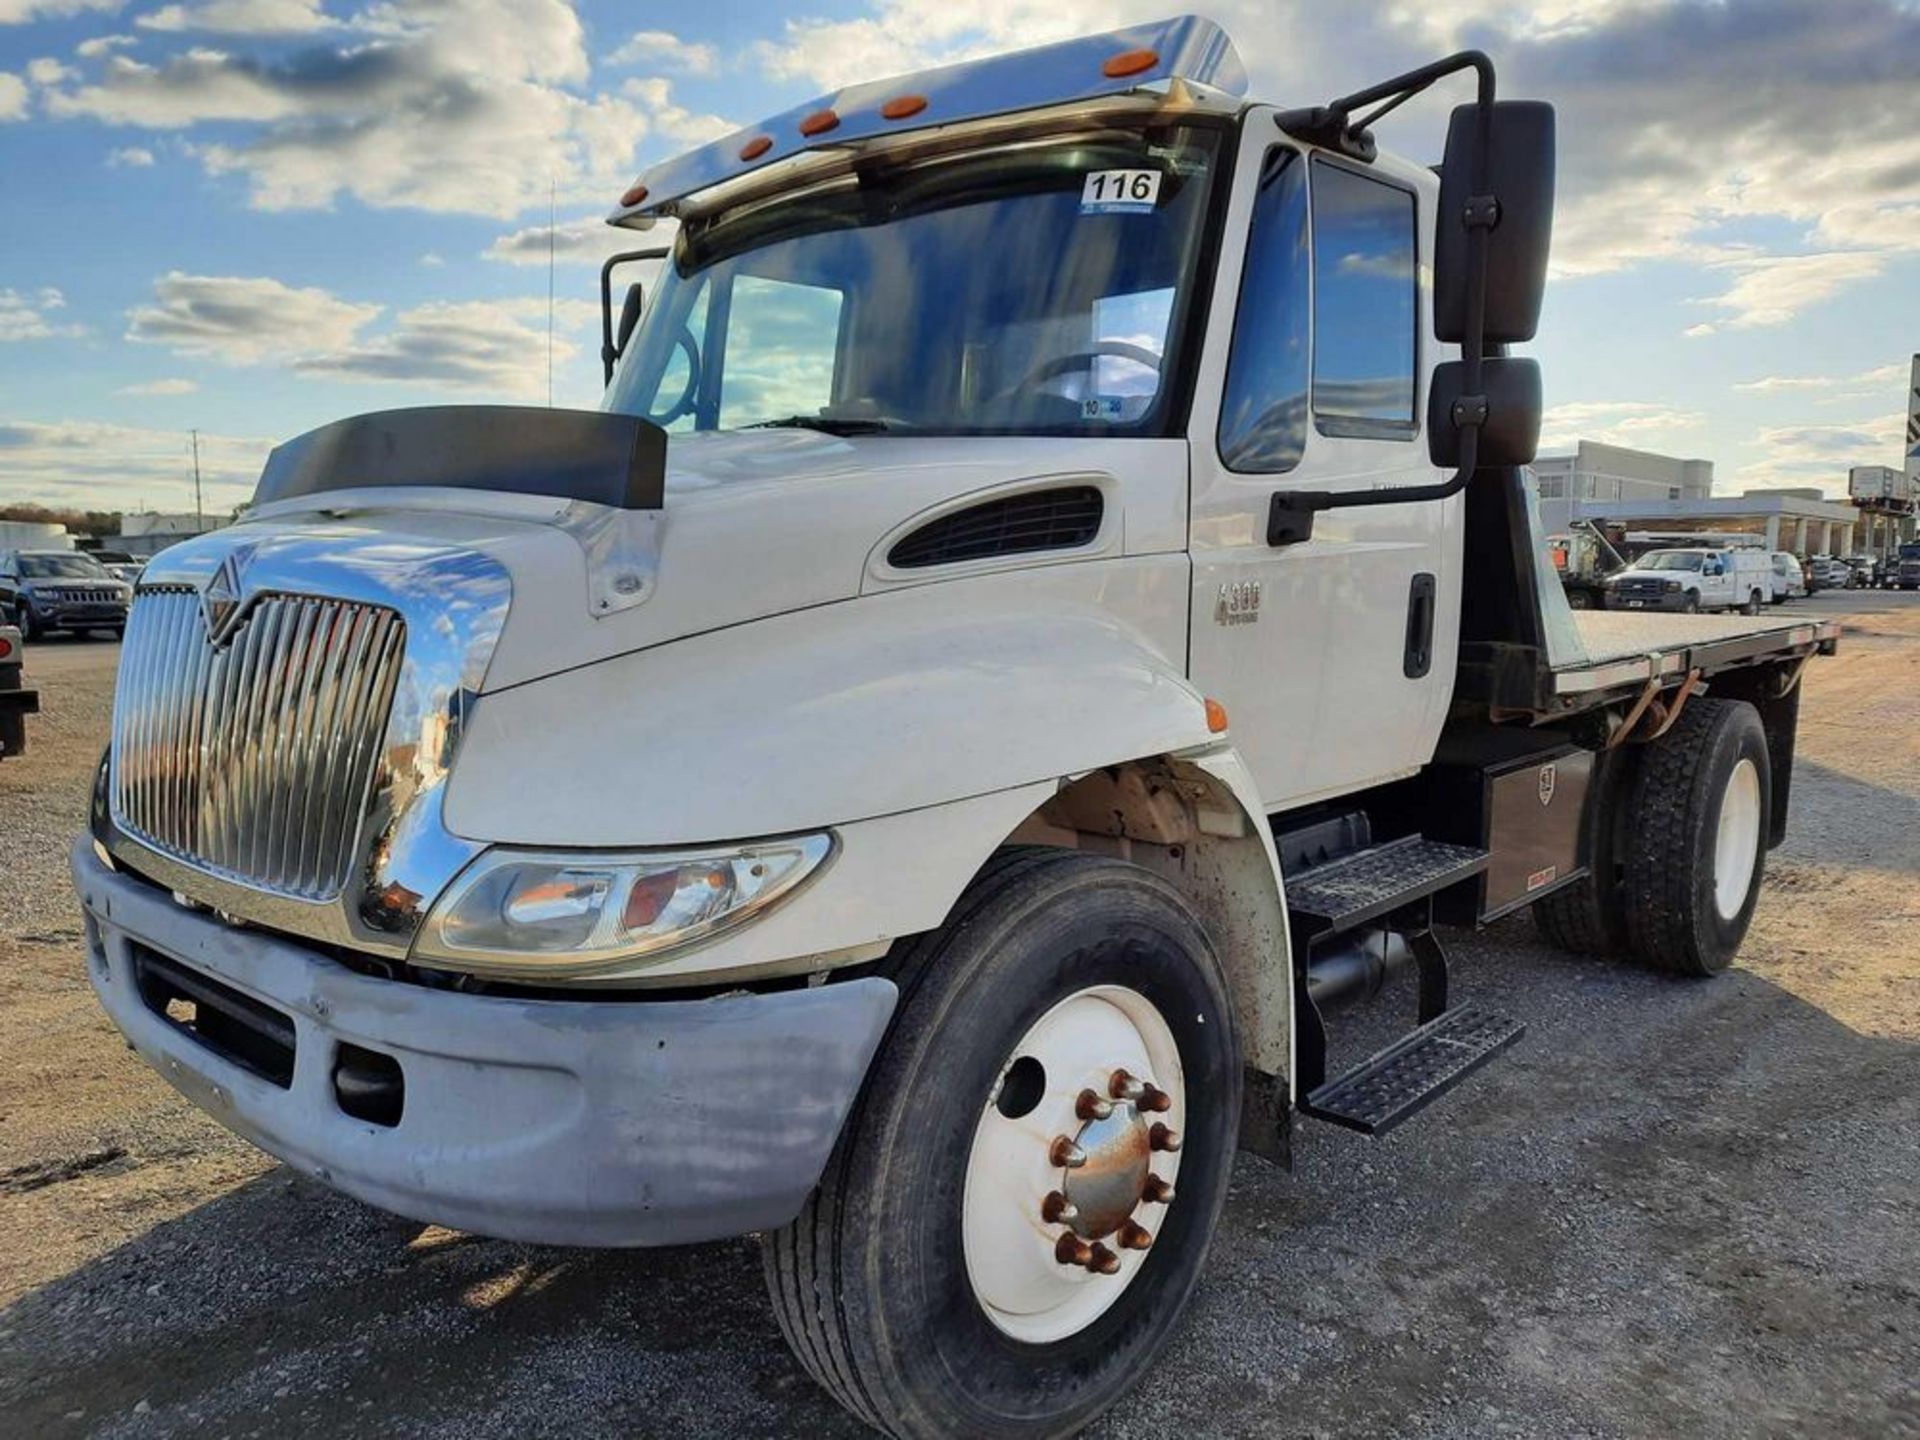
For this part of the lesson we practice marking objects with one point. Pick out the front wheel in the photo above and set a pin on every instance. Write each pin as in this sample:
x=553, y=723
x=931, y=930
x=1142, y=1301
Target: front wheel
x=1690, y=605
x=1021, y=1202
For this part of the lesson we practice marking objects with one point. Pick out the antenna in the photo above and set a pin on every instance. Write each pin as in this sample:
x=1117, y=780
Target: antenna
x=199, y=515
x=551, y=185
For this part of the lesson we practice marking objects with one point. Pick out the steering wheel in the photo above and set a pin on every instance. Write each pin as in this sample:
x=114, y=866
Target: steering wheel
x=1083, y=360
x=683, y=341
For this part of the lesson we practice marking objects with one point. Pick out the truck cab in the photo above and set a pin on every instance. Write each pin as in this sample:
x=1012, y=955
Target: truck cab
x=1906, y=572
x=1048, y=617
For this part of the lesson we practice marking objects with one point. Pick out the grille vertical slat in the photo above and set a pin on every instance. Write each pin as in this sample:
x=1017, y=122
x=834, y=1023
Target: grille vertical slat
x=254, y=759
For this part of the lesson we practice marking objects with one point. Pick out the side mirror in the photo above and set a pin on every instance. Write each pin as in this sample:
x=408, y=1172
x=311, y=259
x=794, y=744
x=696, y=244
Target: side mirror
x=630, y=309
x=1519, y=178
x=1510, y=433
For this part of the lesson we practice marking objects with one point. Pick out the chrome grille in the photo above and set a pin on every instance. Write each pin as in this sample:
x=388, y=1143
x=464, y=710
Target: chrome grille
x=254, y=759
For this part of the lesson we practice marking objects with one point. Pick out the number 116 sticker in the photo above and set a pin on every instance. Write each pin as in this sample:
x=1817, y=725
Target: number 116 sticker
x=1119, y=192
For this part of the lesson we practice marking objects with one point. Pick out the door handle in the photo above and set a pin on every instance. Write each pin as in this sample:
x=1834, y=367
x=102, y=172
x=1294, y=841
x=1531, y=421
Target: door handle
x=1418, y=659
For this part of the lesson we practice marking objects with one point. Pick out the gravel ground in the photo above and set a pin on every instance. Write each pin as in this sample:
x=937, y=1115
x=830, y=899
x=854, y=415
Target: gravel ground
x=1674, y=1209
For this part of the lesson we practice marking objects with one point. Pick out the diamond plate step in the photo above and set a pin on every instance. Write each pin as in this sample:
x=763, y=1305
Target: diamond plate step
x=1350, y=892
x=1395, y=1083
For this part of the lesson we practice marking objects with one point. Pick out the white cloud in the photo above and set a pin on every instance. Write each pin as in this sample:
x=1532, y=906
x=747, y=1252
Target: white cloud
x=671, y=119
x=449, y=105
x=242, y=17
x=588, y=240
x=101, y=45
x=432, y=260
x=100, y=466
x=1822, y=454
x=19, y=12
x=245, y=320
x=1772, y=289
x=663, y=50
x=130, y=157
x=1639, y=423
x=1866, y=379
x=13, y=97
x=27, y=316
x=496, y=347
x=49, y=71
x=161, y=387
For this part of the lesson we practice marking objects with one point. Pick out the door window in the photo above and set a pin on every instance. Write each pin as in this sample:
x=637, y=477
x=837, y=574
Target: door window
x=1263, y=415
x=1365, y=304
x=782, y=341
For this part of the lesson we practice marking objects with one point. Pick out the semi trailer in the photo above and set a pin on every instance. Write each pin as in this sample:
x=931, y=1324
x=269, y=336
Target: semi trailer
x=1047, y=622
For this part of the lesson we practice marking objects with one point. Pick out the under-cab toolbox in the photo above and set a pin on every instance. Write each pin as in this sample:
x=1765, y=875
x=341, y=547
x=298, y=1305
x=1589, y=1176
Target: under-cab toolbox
x=1046, y=621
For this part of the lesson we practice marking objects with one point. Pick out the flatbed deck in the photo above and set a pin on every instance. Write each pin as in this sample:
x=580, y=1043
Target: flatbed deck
x=1626, y=650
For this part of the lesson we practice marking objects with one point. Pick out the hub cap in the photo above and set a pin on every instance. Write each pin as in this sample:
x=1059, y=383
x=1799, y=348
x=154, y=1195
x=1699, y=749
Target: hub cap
x=1073, y=1164
x=1738, y=840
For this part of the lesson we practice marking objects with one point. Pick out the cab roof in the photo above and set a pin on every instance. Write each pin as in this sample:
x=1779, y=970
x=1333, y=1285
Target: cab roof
x=1187, y=51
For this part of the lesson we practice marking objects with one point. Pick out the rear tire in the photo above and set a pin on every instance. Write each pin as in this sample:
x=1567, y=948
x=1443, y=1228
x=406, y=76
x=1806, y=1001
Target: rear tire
x=876, y=1284
x=1699, y=823
x=1752, y=607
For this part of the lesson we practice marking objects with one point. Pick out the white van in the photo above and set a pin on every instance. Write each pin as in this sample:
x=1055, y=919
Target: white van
x=1692, y=580
x=1789, y=580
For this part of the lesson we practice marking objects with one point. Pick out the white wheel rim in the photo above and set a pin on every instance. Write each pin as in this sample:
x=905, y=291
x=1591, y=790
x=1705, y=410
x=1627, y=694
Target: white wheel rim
x=1738, y=840
x=1026, y=1289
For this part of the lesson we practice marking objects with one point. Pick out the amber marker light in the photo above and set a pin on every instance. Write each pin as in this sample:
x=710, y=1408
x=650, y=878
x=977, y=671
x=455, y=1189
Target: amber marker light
x=635, y=194
x=756, y=147
x=1216, y=716
x=819, y=123
x=1129, y=62
x=903, y=107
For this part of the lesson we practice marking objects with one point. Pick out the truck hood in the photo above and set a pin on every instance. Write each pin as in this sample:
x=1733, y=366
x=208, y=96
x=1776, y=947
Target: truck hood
x=755, y=524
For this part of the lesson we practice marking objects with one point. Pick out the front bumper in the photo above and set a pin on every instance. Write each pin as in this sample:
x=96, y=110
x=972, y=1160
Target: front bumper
x=1646, y=600
x=77, y=614
x=613, y=1122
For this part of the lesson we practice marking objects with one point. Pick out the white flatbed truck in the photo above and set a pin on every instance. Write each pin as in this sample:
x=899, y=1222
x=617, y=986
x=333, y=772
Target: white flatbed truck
x=1048, y=614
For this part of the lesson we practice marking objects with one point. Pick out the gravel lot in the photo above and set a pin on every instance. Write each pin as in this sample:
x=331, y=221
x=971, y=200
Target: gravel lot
x=1674, y=1209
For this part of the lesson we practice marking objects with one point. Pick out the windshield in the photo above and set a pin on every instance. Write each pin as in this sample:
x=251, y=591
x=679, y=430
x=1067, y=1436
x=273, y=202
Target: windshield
x=1672, y=560
x=61, y=567
x=1910, y=552
x=1035, y=289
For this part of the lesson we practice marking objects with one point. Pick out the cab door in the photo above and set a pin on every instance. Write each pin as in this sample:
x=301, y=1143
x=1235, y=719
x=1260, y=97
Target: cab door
x=1335, y=655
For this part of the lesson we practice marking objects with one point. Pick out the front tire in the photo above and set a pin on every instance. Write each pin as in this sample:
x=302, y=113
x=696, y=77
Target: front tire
x=1699, y=823
x=924, y=1285
x=1690, y=605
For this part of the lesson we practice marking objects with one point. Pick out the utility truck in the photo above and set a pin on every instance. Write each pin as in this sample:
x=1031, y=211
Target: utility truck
x=1048, y=614
x=1694, y=579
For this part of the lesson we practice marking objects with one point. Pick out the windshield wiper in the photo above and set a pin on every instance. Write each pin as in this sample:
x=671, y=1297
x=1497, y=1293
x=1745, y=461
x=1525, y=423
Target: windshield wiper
x=830, y=424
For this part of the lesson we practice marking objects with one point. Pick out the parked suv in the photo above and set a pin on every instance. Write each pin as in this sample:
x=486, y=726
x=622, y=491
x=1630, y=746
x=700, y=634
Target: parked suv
x=1690, y=580
x=61, y=590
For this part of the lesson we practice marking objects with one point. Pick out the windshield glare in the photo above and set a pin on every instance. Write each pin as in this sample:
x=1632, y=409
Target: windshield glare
x=1037, y=289
x=1672, y=560
x=61, y=567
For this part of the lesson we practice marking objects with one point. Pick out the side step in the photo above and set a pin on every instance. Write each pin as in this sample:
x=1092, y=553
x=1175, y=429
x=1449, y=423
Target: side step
x=1390, y=1086
x=1359, y=888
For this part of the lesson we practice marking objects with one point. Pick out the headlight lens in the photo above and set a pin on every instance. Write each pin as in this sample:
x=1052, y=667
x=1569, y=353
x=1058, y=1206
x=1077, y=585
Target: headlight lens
x=1673, y=585
x=565, y=910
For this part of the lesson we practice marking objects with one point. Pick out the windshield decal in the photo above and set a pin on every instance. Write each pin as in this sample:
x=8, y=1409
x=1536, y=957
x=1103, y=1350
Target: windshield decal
x=1120, y=192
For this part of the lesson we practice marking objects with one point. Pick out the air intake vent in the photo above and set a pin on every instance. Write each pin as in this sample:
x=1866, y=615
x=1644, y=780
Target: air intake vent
x=1061, y=519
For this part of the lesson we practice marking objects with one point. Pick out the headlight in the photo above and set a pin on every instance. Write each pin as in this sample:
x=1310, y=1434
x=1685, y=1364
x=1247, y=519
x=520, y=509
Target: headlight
x=565, y=911
x=1672, y=585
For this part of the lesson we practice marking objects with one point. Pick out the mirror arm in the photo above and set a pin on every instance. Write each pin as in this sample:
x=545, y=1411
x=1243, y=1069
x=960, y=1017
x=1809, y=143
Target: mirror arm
x=608, y=354
x=1290, y=512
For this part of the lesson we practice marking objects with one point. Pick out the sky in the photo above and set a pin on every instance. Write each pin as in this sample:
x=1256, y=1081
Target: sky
x=250, y=217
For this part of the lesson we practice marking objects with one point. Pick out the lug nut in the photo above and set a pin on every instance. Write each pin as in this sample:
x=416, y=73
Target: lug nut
x=1070, y=1249
x=1092, y=1106
x=1161, y=1138
x=1135, y=1236
x=1065, y=1154
x=1122, y=1086
x=1103, y=1261
x=1157, y=1191
x=1056, y=1209
x=1158, y=1101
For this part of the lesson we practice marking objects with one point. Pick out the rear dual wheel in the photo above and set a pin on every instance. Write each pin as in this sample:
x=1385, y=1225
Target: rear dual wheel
x=1021, y=1202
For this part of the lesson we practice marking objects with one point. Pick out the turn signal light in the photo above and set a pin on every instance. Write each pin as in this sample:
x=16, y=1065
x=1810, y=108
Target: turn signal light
x=1216, y=716
x=819, y=122
x=635, y=194
x=1129, y=62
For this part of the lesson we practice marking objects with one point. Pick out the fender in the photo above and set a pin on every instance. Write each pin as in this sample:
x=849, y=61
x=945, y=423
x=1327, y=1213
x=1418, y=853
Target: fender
x=873, y=706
